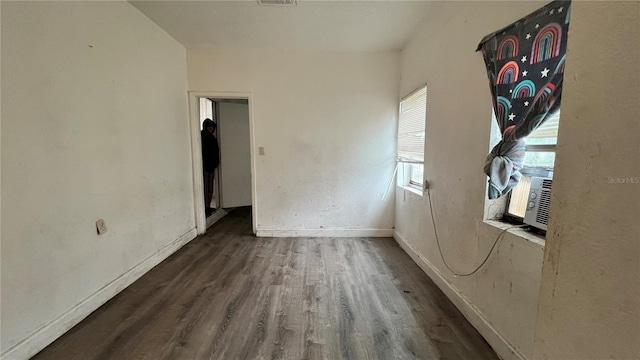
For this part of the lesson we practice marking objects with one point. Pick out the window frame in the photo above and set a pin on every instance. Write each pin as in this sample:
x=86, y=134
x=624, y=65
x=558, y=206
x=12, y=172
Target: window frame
x=531, y=171
x=407, y=164
x=411, y=170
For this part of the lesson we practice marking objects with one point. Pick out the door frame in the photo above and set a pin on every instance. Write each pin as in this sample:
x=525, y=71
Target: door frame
x=196, y=152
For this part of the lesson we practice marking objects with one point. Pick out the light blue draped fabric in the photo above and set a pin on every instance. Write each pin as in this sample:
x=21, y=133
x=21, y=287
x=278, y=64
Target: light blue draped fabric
x=503, y=166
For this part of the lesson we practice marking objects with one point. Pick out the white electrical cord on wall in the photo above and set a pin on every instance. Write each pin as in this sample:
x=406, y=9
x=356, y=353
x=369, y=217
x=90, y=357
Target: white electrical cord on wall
x=440, y=249
x=390, y=181
x=484, y=261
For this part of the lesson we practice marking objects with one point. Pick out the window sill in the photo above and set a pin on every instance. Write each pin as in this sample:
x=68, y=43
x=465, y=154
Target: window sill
x=412, y=189
x=518, y=232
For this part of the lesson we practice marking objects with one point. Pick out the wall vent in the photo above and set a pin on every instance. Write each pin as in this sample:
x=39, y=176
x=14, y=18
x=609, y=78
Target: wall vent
x=277, y=2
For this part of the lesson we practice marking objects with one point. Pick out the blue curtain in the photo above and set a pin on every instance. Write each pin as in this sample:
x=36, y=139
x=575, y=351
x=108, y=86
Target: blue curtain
x=525, y=65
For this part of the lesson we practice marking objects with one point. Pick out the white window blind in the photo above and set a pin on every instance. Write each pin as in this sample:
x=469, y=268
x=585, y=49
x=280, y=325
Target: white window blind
x=411, y=126
x=549, y=129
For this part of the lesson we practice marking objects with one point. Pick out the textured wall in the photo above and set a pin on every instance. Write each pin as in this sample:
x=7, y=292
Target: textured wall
x=502, y=297
x=327, y=124
x=94, y=125
x=590, y=293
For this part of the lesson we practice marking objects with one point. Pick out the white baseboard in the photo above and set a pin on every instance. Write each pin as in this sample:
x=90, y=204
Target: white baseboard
x=324, y=232
x=49, y=332
x=216, y=216
x=499, y=344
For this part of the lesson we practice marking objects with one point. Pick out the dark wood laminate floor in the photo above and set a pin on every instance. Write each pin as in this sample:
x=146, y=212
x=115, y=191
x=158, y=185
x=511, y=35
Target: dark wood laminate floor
x=229, y=295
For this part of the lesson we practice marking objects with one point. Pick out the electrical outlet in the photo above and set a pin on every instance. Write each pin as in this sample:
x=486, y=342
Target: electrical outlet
x=101, y=227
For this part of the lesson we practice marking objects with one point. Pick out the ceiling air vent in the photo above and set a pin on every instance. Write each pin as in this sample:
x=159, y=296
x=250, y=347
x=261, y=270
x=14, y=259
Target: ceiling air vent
x=277, y=2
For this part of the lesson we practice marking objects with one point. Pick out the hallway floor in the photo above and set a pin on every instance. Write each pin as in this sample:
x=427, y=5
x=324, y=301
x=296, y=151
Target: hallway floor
x=229, y=295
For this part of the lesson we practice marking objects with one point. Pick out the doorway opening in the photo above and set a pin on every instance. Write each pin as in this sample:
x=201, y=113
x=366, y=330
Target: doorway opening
x=222, y=129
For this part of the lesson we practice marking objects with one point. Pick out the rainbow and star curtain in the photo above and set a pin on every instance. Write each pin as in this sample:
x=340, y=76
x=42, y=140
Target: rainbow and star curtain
x=525, y=65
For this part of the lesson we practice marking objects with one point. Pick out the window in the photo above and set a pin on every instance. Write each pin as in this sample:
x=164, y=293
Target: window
x=411, y=134
x=539, y=161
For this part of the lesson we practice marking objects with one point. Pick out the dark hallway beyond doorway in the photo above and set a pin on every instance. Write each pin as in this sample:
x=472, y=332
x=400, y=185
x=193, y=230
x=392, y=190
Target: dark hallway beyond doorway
x=230, y=295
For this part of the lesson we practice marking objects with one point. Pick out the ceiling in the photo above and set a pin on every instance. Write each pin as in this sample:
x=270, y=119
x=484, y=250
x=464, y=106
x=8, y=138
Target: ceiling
x=308, y=26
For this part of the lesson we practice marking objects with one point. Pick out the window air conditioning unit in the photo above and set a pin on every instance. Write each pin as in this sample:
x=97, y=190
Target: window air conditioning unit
x=537, y=213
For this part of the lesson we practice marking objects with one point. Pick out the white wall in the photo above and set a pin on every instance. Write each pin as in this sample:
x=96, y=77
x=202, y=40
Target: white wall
x=590, y=294
x=235, y=154
x=327, y=124
x=501, y=299
x=94, y=125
